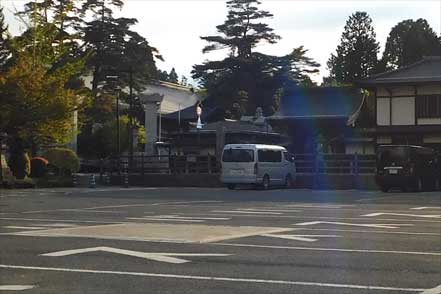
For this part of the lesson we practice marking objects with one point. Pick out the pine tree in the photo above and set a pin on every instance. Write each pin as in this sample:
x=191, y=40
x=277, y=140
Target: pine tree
x=257, y=74
x=408, y=42
x=173, y=76
x=356, y=56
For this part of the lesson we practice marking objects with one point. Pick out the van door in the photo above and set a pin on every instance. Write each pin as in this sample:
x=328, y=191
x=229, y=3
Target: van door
x=270, y=163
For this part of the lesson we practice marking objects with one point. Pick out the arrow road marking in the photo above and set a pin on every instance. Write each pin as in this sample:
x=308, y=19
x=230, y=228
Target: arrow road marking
x=436, y=290
x=15, y=287
x=382, y=226
x=162, y=257
x=304, y=238
x=404, y=214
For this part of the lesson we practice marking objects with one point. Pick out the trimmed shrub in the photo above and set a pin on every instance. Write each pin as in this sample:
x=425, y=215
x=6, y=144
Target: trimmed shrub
x=39, y=167
x=20, y=165
x=65, y=160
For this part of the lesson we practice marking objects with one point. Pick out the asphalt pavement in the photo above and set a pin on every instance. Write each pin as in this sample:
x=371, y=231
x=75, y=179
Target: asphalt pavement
x=193, y=240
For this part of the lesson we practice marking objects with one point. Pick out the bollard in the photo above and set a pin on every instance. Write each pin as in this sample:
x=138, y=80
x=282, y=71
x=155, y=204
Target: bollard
x=107, y=179
x=92, y=183
x=126, y=180
x=74, y=180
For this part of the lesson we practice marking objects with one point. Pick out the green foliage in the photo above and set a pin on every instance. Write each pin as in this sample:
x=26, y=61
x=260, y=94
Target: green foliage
x=37, y=105
x=356, y=55
x=408, y=42
x=173, y=76
x=39, y=167
x=5, y=50
x=65, y=160
x=102, y=142
x=257, y=74
x=20, y=165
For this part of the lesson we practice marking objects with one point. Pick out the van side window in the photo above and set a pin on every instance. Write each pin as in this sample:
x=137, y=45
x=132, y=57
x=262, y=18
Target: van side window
x=288, y=156
x=269, y=155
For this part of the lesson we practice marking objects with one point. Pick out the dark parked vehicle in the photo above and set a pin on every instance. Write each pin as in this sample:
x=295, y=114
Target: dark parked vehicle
x=410, y=168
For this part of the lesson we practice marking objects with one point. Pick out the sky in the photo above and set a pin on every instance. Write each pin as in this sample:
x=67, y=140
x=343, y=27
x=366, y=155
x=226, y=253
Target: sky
x=174, y=27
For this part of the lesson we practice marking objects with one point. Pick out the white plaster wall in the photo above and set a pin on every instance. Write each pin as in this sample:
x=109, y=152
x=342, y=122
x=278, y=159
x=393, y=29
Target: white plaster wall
x=428, y=90
x=403, y=111
x=384, y=140
x=430, y=121
x=383, y=112
x=432, y=138
x=360, y=148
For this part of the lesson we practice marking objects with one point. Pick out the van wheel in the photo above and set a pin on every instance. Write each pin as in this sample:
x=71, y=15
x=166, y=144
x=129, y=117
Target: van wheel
x=266, y=182
x=231, y=186
x=289, y=182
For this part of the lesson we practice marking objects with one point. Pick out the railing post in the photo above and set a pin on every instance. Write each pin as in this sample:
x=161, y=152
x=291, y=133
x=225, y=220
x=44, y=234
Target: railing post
x=186, y=165
x=356, y=164
x=101, y=170
x=142, y=165
x=209, y=163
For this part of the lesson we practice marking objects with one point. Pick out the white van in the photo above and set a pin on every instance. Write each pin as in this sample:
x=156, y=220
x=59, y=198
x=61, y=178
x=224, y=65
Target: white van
x=260, y=165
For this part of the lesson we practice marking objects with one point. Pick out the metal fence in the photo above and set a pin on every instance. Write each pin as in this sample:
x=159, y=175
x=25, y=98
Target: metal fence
x=306, y=164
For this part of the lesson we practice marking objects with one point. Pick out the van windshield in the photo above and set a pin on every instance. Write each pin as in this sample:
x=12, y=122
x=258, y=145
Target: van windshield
x=238, y=155
x=392, y=155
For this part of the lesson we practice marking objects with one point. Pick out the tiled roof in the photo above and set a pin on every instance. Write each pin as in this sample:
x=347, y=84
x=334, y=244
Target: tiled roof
x=426, y=70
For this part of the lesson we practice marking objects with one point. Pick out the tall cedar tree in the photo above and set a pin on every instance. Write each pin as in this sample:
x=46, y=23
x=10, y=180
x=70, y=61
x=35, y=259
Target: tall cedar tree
x=117, y=49
x=173, y=76
x=245, y=70
x=356, y=56
x=408, y=42
x=5, y=51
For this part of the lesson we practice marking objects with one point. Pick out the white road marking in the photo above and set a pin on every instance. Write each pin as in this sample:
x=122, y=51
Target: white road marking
x=268, y=210
x=371, y=232
x=161, y=257
x=93, y=211
x=316, y=206
x=382, y=226
x=166, y=219
x=426, y=207
x=60, y=220
x=272, y=215
x=115, y=206
x=191, y=217
x=15, y=287
x=186, y=202
x=436, y=290
x=212, y=278
x=330, y=249
x=24, y=228
x=304, y=238
x=246, y=212
x=58, y=225
x=404, y=214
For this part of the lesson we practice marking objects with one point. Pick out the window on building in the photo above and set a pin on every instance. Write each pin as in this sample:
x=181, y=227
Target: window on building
x=428, y=106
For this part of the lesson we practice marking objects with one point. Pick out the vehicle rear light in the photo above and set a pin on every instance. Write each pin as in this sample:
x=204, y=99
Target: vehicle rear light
x=256, y=168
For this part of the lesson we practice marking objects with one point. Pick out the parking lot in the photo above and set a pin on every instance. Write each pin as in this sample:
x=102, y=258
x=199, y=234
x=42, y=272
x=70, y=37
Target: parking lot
x=193, y=240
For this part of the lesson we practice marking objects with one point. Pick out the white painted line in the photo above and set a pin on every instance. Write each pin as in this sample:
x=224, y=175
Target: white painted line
x=330, y=249
x=246, y=212
x=115, y=206
x=382, y=226
x=60, y=220
x=403, y=214
x=166, y=219
x=271, y=215
x=24, y=228
x=93, y=211
x=371, y=232
x=304, y=238
x=426, y=207
x=58, y=225
x=190, y=217
x=212, y=278
x=268, y=210
x=15, y=287
x=186, y=202
x=436, y=290
x=316, y=206
x=161, y=257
